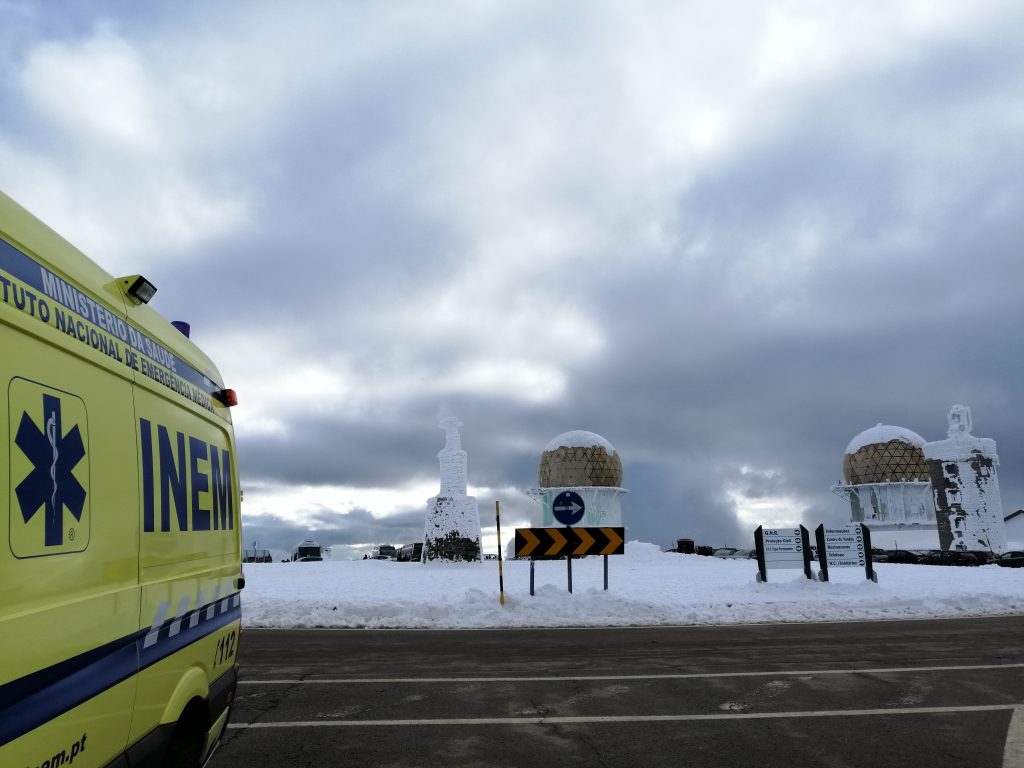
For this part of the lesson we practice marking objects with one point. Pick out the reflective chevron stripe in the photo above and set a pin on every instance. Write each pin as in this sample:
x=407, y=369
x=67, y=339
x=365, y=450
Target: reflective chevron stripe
x=551, y=543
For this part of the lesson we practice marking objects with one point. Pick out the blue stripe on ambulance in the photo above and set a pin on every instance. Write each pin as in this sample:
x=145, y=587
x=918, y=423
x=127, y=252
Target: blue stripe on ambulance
x=30, y=272
x=31, y=701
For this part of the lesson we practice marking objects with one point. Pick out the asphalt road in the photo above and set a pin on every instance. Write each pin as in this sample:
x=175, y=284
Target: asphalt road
x=914, y=693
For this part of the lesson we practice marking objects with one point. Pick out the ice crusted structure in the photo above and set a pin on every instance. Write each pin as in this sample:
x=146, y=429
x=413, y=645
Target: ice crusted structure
x=588, y=465
x=885, y=480
x=963, y=474
x=452, y=529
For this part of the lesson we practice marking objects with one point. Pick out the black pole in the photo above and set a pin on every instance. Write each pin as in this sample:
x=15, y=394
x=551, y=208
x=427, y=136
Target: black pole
x=606, y=573
x=805, y=537
x=869, y=567
x=501, y=575
x=531, y=577
x=819, y=537
x=569, y=561
x=762, y=569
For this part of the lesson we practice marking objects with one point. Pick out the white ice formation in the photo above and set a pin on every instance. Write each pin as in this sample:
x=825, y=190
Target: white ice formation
x=452, y=528
x=965, y=486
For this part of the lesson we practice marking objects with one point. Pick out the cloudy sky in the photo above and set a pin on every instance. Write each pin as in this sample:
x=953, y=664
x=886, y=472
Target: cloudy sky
x=727, y=236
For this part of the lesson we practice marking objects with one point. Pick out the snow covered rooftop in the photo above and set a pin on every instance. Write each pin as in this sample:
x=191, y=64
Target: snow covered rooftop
x=883, y=433
x=579, y=439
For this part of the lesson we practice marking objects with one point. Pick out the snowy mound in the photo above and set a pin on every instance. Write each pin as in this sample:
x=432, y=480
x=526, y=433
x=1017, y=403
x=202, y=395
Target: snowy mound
x=579, y=439
x=646, y=587
x=883, y=433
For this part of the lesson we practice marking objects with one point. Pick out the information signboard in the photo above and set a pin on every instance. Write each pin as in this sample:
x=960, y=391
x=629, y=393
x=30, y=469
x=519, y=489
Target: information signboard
x=844, y=546
x=782, y=548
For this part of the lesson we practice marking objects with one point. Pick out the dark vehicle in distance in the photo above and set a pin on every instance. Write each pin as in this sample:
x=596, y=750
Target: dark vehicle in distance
x=904, y=556
x=383, y=552
x=951, y=557
x=410, y=553
x=307, y=551
x=986, y=557
x=257, y=556
x=1011, y=559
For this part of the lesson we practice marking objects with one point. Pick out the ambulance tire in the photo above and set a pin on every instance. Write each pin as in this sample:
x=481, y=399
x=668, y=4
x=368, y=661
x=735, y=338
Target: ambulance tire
x=186, y=745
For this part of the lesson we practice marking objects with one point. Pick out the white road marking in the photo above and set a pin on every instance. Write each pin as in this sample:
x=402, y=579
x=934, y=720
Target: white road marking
x=626, y=718
x=1013, y=752
x=682, y=676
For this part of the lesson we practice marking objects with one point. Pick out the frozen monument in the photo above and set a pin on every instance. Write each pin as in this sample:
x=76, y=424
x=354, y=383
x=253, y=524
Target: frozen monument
x=965, y=487
x=580, y=465
x=452, y=529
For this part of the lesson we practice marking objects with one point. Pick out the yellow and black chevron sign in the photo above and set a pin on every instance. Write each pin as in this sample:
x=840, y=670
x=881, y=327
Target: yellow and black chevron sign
x=559, y=542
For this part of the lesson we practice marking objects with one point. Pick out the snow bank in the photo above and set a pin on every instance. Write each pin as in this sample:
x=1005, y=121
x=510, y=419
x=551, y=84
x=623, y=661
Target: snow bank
x=646, y=587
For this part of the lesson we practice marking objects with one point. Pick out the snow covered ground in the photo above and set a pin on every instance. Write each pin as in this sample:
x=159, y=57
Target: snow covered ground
x=646, y=587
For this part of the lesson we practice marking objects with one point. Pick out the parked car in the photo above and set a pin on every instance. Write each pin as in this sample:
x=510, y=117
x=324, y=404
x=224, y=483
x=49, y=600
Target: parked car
x=985, y=556
x=307, y=551
x=951, y=557
x=1011, y=559
x=904, y=556
x=410, y=553
x=724, y=551
x=740, y=554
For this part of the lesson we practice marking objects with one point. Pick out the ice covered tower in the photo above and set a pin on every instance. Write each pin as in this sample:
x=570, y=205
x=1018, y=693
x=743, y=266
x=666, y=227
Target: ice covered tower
x=452, y=459
x=966, y=490
x=885, y=479
x=452, y=529
x=580, y=475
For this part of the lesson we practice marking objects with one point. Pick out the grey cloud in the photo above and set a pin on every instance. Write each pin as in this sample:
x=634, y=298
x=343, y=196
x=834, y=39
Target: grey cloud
x=852, y=259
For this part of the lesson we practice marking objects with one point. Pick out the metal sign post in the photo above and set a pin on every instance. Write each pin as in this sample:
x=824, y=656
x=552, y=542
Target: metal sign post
x=501, y=575
x=844, y=546
x=569, y=567
x=558, y=543
x=782, y=548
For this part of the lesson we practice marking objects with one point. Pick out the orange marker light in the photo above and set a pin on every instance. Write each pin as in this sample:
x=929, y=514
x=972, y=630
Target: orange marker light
x=226, y=396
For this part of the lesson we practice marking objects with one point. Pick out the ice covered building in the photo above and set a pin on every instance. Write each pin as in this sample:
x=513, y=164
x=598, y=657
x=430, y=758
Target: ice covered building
x=966, y=488
x=587, y=465
x=886, y=481
x=452, y=528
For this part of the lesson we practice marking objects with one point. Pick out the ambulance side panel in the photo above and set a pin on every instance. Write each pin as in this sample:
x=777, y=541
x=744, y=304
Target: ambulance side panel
x=69, y=526
x=120, y=561
x=190, y=553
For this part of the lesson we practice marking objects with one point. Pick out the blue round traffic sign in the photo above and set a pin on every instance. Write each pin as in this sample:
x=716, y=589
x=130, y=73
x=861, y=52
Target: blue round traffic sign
x=568, y=507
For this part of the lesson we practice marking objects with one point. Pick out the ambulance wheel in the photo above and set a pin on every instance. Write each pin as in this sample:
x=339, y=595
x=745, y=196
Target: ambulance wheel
x=186, y=745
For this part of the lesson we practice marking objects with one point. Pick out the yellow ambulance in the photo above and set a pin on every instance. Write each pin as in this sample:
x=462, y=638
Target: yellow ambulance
x=120, y=545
